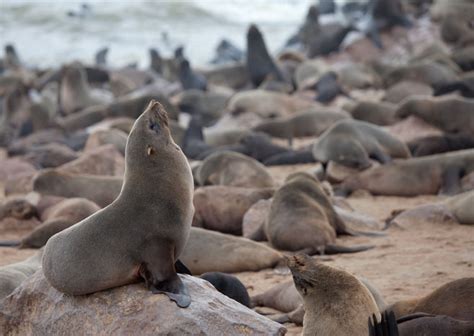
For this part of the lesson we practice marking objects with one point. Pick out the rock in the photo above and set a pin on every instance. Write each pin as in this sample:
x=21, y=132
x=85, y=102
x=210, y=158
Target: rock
x=104, y=160
x=37, y=308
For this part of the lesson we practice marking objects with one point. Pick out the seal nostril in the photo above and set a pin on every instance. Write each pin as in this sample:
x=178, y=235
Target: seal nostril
x=155, y=126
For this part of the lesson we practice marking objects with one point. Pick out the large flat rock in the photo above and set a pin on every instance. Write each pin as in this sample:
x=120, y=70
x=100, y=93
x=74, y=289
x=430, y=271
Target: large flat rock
x=35, y=308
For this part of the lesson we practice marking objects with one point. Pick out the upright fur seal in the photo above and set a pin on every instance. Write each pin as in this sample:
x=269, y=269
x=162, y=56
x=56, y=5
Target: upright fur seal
x=260, y=65
x=336, y=302
x=352, y=142
x=143, y=232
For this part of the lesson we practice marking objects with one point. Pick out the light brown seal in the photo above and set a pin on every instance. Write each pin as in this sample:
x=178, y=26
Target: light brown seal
x=143, y=232
x=336, y=302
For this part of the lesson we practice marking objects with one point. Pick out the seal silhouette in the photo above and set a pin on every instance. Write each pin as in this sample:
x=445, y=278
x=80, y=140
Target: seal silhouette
x=143, y=232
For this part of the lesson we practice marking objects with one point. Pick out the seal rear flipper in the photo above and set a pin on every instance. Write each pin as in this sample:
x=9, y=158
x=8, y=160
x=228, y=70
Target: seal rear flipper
x=356, y=233
x=10, y=243
x=335, y=249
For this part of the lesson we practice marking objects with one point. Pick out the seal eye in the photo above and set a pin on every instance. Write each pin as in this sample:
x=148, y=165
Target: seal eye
x=154, y=126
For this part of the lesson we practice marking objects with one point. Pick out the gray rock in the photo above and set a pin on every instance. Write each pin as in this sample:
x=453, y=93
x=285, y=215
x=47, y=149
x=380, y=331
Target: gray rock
x=36, y=308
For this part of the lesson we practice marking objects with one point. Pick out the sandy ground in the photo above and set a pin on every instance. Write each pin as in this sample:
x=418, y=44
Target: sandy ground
x=406, y=263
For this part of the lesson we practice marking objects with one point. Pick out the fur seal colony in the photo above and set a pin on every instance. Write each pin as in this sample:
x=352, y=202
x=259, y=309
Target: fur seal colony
x=270, y=175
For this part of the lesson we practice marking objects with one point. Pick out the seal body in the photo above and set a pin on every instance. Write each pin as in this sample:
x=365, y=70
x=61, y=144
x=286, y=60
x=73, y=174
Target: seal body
x=142, y=233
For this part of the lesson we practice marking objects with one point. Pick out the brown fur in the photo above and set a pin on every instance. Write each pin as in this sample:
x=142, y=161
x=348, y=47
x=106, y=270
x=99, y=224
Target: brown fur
x=143, y=232
x=454, y=299
x=336, y=302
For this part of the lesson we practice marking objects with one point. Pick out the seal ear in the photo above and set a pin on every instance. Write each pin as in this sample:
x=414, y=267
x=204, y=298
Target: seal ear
x=150, y=150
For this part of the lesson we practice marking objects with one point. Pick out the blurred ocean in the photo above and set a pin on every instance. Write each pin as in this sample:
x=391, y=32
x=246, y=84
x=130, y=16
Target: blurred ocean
x=45, y=35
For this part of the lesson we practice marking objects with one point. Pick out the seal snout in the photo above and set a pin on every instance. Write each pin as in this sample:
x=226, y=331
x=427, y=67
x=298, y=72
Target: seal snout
x=158, y=115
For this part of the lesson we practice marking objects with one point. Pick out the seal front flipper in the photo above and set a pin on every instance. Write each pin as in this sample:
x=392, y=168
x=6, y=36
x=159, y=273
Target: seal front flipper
x=158, y=270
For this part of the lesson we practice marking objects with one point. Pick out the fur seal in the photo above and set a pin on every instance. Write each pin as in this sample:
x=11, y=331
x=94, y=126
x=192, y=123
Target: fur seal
x=328, y=87
x=102, y=190
x=336, y=302
x=416, y=176
x=440, y=144
x=222, y=208
x=11, y=276
x=61, y=216
x=260, y=65
x=328, y=40
x=233, y=169
x=454, y=299
x=228, y=285
x=190, y=79
x=434, y=325
x=50, y=156
x=351, y=143
x=18, y=208
x=302, y=218
x=101, y=56
x=451, y=114
x=75, y=93
x=152, y=154
x=404, y=89
x=377, y=113
x=302, y=124
x=211, y=251
x=226, y=52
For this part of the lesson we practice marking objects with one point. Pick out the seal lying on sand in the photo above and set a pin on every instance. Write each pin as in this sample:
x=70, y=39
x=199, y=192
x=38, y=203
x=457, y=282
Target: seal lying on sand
x=351, y=143
x=416, y=176
x=158, y=213
x=302, y=218
x=440, y=144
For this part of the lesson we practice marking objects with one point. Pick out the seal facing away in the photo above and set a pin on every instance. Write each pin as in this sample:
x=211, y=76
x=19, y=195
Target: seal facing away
x=143, y=232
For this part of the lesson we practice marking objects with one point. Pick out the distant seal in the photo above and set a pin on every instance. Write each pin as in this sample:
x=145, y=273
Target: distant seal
x=60, y=216
x=328, y=87
x=436, y=325
x=226, y=52
x=190, y=79
x=101, y=56
x=302, y=218
x=228, y=285
x=451, y=114
x=234, y=169
x=11, y=276
x=336, y=302
x=378, y=113
x=328, y=40
x=102, y=190
x=222, y=208
x=302, y=124
x=402, y=90
x=454, y=299
x=211, y=251
x=440, y=144
x=75, y=93
x=161, y=228
x=416, y=176
x=351, y=143
x=260, y=64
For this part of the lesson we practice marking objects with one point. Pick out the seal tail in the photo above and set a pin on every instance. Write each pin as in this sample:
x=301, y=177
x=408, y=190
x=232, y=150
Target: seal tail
x=335, y=249
x=386, y=327
x=10, y=243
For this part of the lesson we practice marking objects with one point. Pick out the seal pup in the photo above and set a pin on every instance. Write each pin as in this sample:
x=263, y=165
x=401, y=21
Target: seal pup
x=351, y=143
x=302, y=218
x=336, y=302
x=228, y=285
x=159, y=215
x=415, y=176
x=260, y=64
x=454, y=299
x=328, y=87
